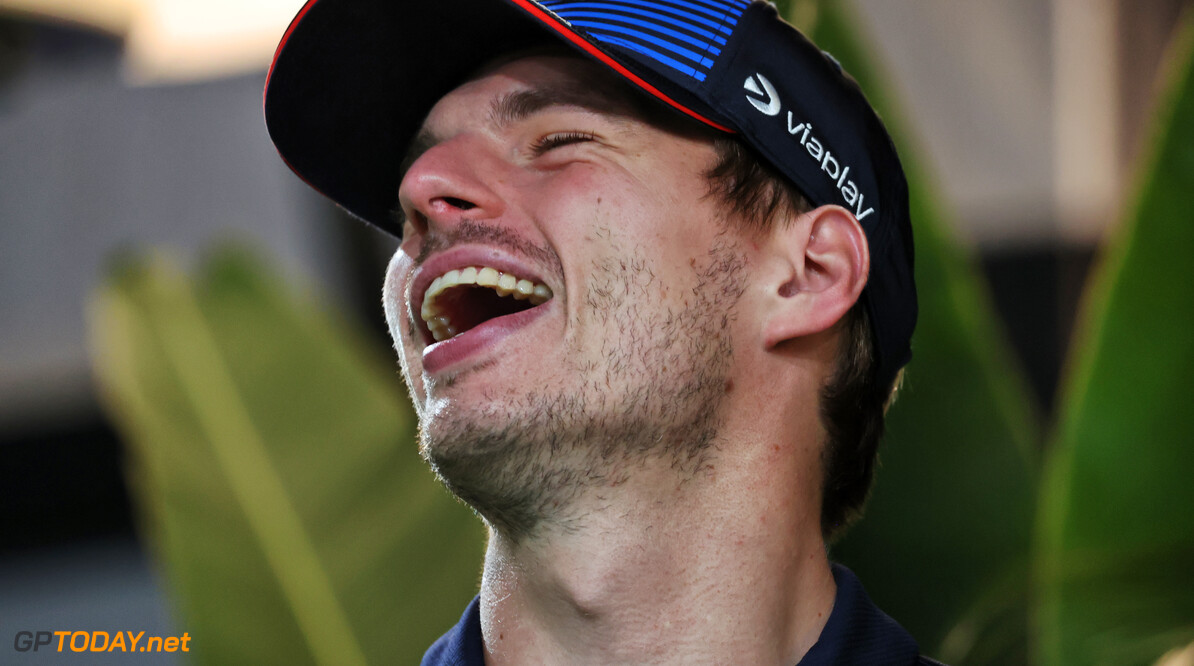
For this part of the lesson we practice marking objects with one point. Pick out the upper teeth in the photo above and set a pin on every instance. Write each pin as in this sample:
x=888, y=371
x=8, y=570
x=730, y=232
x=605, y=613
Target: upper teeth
x=504, y=284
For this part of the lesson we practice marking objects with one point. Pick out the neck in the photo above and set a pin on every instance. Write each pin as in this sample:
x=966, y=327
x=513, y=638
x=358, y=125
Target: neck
x=667, y=572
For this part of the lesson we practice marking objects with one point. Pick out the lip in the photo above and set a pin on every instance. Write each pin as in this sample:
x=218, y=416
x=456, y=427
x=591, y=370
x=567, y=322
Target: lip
x=441, y=355
x=437, y=355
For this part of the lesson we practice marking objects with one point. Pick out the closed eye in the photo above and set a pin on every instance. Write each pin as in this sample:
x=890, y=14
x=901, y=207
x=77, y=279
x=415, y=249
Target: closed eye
x=558, y=140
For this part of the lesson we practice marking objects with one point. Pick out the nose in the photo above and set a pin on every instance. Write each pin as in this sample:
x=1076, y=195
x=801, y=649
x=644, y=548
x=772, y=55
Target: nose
x=450, y=182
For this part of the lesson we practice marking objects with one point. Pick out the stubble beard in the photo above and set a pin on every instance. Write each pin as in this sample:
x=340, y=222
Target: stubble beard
x=521, y=461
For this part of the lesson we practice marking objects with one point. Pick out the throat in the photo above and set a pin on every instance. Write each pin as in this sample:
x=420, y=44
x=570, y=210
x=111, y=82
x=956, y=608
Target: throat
x=641, y=600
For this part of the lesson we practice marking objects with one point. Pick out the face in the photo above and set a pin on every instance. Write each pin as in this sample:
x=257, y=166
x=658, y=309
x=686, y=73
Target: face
x=606, y=343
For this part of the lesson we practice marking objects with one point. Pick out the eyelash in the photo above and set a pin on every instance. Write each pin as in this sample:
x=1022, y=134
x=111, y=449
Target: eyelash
x=558, y=140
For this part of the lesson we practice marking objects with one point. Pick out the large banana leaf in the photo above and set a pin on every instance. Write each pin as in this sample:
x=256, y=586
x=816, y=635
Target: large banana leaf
x=944, y=547
x=1117, y=519
x=272, y=455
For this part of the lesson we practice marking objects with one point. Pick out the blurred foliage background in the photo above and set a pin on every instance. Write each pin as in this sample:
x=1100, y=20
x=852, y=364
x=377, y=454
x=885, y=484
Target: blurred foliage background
x=271, y=456
x=984, y=556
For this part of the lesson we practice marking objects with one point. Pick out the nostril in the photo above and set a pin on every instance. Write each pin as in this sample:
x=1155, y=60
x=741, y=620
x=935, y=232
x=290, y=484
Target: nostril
x=459, y=203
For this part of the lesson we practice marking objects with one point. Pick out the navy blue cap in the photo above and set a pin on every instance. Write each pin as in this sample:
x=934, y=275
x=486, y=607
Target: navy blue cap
x=353, y=80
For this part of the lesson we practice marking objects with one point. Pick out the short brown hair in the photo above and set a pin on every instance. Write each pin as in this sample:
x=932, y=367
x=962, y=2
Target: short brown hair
x=852, y=405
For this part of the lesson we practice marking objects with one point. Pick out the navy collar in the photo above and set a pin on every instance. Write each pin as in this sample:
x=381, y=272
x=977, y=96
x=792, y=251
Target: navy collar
x=462, y=645
x=857, y=634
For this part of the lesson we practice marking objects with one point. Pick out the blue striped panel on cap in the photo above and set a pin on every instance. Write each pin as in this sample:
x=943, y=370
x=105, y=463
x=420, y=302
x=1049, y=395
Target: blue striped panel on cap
x=684, y=35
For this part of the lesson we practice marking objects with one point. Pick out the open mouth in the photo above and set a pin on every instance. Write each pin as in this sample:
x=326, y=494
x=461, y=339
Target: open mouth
x=463, y=299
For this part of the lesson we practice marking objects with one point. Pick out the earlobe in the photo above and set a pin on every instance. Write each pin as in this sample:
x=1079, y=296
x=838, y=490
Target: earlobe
x=822, y=262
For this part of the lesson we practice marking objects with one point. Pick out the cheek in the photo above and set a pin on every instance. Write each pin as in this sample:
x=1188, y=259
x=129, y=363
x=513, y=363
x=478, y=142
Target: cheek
x=596, y=202
x=562, y=189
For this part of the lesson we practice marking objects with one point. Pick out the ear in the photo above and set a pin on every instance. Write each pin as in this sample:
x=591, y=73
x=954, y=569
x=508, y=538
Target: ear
x=818, y=268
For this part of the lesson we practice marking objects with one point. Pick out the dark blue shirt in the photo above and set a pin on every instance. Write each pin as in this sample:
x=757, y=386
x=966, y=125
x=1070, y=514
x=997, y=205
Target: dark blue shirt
x=857, y=634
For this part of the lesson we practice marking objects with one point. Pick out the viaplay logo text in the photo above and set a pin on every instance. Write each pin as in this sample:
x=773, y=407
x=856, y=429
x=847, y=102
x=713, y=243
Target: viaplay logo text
x=765, y=99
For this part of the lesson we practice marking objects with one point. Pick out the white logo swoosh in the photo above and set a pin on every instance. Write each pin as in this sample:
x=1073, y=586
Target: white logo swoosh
x=771, y=105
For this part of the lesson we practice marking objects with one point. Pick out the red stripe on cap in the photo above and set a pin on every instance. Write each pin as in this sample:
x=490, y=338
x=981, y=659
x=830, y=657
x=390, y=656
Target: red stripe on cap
x=285, y=38
x=567, y=33
x=265, y=91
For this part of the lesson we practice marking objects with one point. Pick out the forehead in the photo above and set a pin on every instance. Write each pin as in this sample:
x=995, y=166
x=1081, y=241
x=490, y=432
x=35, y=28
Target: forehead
x=517, y=85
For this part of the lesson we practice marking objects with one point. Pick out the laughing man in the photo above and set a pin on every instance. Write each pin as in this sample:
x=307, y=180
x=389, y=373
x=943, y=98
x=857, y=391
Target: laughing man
x=653, y=297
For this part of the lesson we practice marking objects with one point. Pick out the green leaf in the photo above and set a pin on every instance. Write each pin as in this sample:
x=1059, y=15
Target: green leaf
x=944, y=547
x=272, y=456
x=1117, y=517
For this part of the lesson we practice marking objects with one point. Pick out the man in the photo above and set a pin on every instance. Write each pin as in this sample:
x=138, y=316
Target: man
x=653, y=295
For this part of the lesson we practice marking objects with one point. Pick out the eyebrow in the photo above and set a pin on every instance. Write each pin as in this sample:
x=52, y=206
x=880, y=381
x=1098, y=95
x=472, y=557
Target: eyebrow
x=522, y=104
x=519, y=105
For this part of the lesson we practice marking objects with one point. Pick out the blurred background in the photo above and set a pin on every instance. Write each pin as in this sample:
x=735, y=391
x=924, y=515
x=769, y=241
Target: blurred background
x=139, y=125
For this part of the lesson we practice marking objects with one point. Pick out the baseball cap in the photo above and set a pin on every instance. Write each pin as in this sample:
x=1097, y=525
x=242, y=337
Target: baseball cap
x=352, y=81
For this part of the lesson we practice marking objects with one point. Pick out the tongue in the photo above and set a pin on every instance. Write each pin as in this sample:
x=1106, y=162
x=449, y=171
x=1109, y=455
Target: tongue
x=469, y=307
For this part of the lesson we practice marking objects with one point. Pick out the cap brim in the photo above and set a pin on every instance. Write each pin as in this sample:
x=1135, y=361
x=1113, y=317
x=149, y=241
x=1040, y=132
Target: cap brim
x=352, y=81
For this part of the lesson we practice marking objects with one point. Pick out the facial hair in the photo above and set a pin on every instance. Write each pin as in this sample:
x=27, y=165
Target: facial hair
x=521, y=461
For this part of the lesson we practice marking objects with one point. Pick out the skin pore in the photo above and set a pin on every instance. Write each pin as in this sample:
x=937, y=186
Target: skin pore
x=644, y=446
